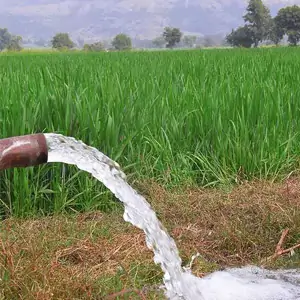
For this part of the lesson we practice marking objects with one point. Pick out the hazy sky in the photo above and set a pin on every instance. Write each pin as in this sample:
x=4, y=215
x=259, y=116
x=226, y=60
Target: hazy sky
x=67, y=7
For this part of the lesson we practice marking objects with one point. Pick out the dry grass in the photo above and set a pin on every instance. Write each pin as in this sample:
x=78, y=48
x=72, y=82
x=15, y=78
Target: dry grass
x=232, y=228
x=71, y=258
x=99, y=256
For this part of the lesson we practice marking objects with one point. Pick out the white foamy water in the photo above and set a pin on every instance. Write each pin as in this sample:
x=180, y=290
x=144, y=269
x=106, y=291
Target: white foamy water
x=249, y=283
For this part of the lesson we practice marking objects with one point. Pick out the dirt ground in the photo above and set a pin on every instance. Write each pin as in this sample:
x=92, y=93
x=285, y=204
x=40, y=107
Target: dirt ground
x=100, y=256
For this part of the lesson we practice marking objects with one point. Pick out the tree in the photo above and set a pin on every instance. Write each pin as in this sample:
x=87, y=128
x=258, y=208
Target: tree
x=122, y=42
x=189, y=40
x=288, y=20
x=240, y=37
x=15, y=43
x=159, y=42
x=5, y=37
x=258, y=19
x=95, y=47
x=172, y=36
x=293, y=37
x=9, y=41
x=61, y=41
x=276, y=33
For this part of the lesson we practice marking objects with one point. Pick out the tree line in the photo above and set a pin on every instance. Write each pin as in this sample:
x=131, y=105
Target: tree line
x=62, y=41
x=171, y=37
x=260, y=26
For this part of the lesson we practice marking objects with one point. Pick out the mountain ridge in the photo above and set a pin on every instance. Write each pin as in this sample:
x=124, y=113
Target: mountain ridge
x=140, y=19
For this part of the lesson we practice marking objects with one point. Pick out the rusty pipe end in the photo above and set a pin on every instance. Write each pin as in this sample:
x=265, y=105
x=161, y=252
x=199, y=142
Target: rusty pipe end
x=23, y=151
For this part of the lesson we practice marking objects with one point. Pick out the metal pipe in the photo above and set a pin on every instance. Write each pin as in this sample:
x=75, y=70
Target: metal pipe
x=23, y=151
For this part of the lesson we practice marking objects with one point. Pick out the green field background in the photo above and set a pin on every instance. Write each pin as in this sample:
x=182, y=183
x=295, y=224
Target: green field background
x=177, y=117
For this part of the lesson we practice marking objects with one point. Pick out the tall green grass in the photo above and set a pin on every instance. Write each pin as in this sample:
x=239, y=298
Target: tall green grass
x=204, y=117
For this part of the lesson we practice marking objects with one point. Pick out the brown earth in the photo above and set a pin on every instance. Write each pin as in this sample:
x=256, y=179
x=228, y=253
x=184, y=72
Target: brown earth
x=99, y=256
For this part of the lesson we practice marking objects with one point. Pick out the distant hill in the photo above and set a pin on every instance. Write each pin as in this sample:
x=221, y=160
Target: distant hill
x=141, y=19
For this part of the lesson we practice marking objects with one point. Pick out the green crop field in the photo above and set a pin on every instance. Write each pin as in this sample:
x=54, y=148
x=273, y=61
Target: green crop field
x=178, y=117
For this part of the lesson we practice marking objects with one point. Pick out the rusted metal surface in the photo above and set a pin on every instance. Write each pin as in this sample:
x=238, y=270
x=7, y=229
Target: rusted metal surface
x=23, y=151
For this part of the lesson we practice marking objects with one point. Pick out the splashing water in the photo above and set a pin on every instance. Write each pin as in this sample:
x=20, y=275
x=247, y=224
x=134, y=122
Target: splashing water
x=235, y=284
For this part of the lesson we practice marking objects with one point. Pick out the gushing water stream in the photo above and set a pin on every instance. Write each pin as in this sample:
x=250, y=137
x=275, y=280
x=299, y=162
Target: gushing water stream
x=249, y=283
